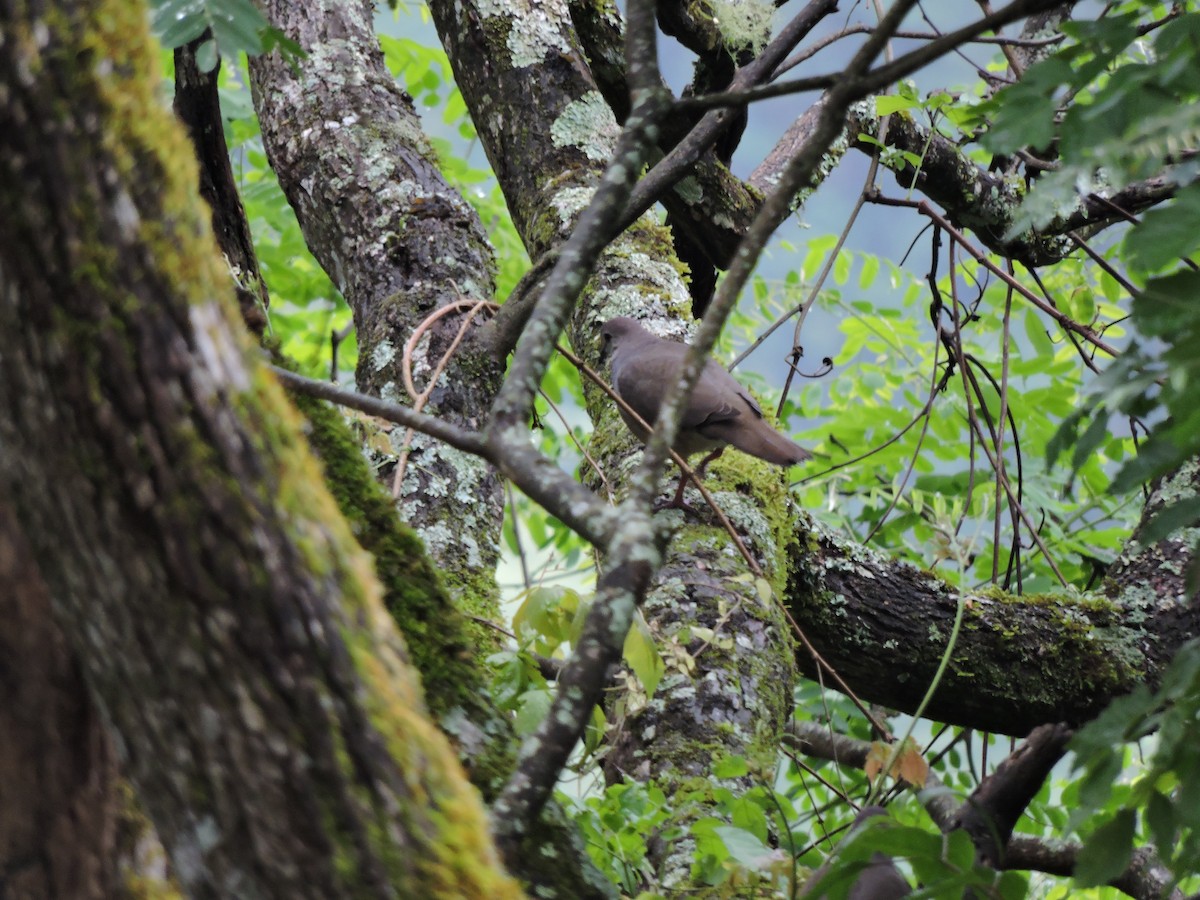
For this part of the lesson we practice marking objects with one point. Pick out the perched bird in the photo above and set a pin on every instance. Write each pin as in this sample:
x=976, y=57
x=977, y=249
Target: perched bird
x=719, y=412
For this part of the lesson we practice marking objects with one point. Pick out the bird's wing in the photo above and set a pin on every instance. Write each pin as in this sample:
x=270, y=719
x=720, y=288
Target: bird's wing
x=719, y=398
x=642, y=379
x=647, y=372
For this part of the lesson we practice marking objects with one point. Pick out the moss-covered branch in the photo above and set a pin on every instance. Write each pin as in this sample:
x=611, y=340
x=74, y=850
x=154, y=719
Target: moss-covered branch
x=1020, y=660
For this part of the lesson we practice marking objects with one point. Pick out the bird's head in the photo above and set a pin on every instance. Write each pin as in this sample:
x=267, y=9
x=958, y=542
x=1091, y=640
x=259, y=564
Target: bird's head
x=615, y=331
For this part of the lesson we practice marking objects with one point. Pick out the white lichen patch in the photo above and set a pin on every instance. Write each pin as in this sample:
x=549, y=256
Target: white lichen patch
x=746, y=515
x=126, y=215
x=470, y=737
x=570, y=202
x=638, y=285
x=219, y=351
x=535, y=28
x=587, y=123
x=744, y=23
x=383, y=355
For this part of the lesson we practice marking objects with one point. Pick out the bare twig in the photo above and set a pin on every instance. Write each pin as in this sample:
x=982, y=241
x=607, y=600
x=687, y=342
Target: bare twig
x=979, y=256
x=420, y=398
x=459, y=438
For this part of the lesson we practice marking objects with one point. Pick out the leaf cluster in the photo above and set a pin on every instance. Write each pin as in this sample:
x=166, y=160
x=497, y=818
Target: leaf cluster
x=1162, y=801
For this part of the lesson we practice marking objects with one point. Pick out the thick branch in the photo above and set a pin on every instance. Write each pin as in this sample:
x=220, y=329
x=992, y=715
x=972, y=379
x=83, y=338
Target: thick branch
x=986, y=202
x=1019, y=662
x=993, y=808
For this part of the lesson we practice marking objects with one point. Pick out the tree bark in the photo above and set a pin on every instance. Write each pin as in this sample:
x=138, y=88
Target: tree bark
x=1019, y=661
x=261, y=701
x=401, y=245
x=59, y=800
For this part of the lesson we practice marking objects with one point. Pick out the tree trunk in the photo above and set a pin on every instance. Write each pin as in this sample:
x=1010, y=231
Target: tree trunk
x=260, y=698
x=59, y=800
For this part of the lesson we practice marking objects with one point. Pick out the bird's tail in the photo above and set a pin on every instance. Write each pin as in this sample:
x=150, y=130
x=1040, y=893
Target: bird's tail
x=756, y=437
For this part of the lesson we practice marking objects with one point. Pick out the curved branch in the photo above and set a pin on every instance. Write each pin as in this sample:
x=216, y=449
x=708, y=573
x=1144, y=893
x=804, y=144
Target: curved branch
x=987, y=202
x=1145, y=878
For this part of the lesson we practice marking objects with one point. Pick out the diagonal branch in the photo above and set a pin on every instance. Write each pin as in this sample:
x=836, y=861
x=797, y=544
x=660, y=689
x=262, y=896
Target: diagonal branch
x=985, y=201
x=635, y=548
x=1144, y=879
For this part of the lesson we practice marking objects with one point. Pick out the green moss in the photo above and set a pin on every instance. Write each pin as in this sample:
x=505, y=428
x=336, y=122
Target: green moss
x=455, y=856
x=137, y=843
x=436, y=631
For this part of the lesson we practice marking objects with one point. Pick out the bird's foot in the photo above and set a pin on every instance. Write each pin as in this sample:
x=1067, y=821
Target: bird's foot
x=675, y=503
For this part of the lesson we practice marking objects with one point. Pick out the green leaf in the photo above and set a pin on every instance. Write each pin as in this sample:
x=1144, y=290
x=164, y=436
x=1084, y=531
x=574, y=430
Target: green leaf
x=1024, y=117
x=745, y=848
x=885, y=104
x=1035, y=329
x=1091, y=438
x=870, y=269
x=236, y=26
x=642, y=655
x=533, y=707
x=1160, y=816
x=1167, y=307
x=1106, y=853
x=731, y=767
x=178, y=22
x=206, y=56
x=1167, y=232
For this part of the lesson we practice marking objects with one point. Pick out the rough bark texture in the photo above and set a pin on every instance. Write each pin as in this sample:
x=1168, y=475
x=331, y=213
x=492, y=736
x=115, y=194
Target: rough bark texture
x=59, y=797
x=400, y=244
x=558, y=126
x=1019, y=661
x=198, y=105
x=261, y=700
x=411, y=246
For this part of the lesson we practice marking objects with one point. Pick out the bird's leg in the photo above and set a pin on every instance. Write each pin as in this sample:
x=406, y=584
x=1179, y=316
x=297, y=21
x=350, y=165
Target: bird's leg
x=677, y=502
x=700, y=469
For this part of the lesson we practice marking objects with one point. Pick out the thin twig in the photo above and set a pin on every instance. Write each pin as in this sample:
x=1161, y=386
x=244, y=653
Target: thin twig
x=979, y=256
x=578, y=446
x=468, y=441
x=421, y=398
x=1005, y=354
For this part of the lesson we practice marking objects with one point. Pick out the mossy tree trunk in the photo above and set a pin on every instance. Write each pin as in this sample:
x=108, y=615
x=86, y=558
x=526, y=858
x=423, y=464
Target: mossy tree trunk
x=60, y=803
x=232, y=632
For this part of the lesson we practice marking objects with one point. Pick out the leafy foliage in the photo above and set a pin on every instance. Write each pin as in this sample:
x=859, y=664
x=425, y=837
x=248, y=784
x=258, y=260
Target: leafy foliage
x=1134, y=103
x=1160, y=797
x=233, y=27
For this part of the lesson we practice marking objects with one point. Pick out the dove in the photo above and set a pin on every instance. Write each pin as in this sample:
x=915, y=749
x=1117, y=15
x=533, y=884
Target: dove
x=719, y=413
